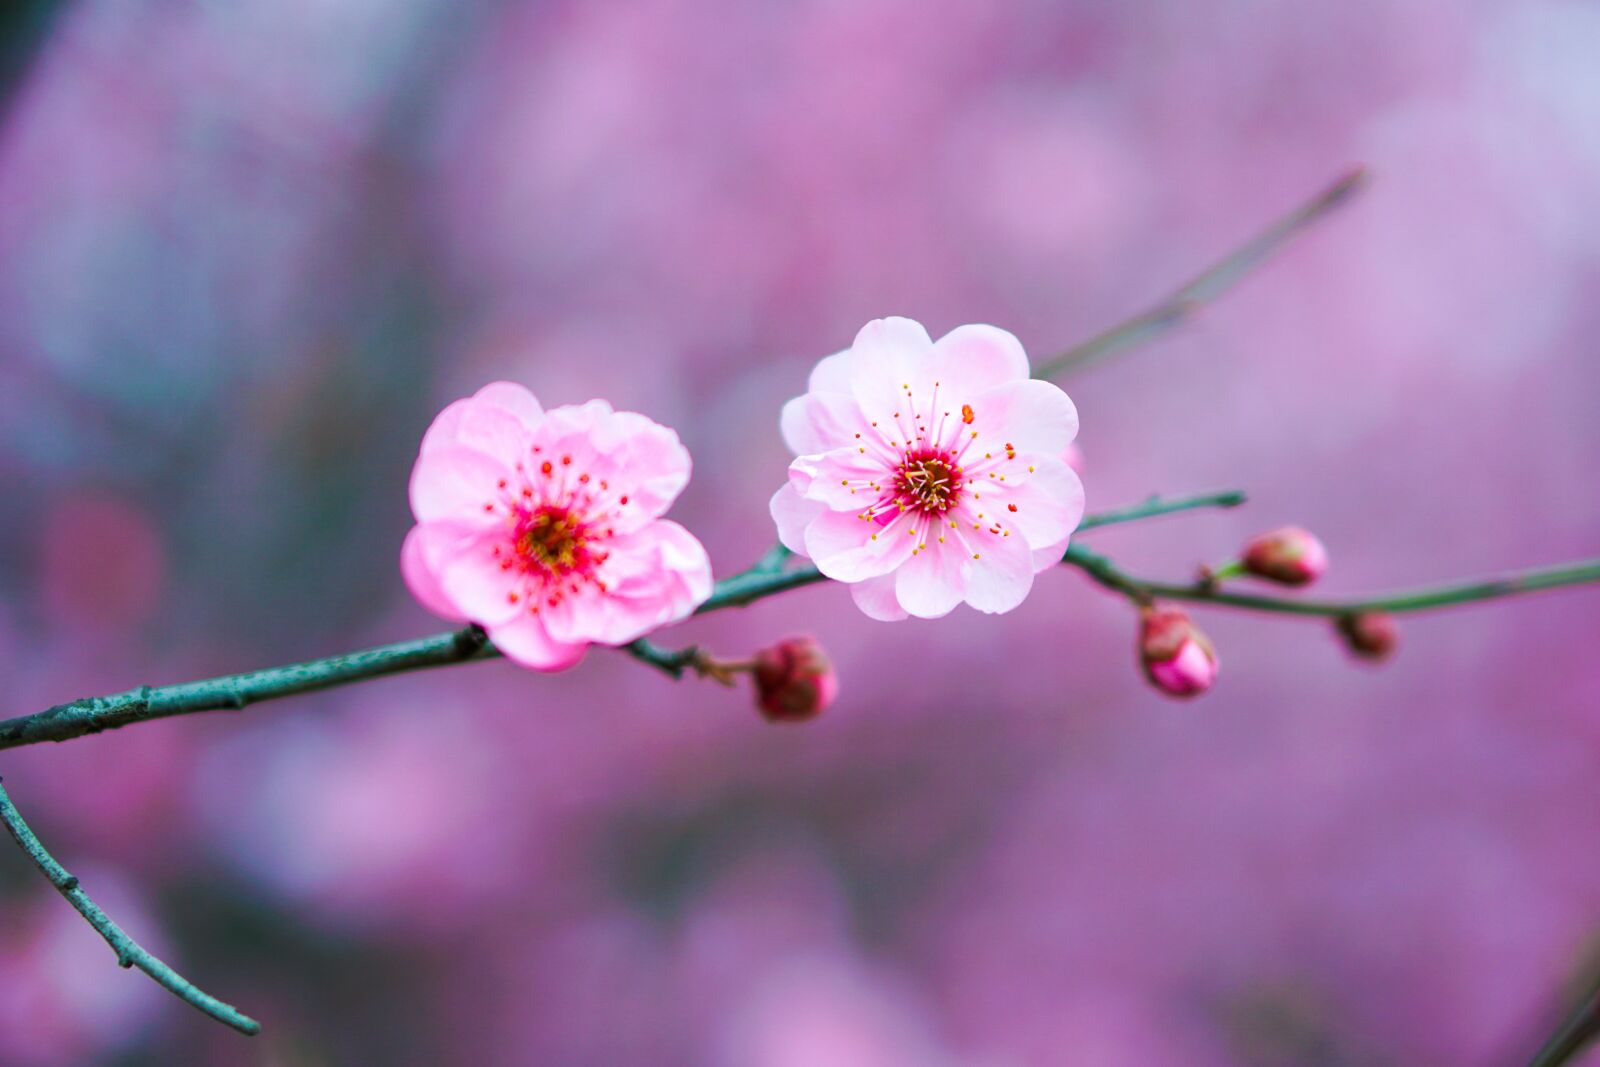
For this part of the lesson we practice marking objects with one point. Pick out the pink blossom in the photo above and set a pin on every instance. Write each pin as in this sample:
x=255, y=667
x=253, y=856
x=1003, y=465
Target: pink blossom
x=794, y=680
x=929, y=473
x=1289, y=555
x=1176, y=656
x=544, y=527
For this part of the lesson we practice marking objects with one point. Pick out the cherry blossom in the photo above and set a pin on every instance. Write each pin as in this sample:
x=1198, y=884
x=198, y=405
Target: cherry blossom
x=545, y=528
x=929, y=473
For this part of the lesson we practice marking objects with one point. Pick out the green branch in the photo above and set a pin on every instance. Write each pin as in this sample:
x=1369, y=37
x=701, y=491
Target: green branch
x=1211, y=283
x=129, y=952
x=237, y=691
x=1515, y=583
x=1576, y=1032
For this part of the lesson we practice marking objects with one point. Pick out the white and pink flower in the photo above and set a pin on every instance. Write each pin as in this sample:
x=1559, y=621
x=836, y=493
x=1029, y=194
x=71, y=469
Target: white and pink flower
x=545, y=528
x=929, y=473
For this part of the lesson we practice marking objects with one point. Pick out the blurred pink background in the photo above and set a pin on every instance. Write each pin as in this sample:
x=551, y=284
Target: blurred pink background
x=246, y=252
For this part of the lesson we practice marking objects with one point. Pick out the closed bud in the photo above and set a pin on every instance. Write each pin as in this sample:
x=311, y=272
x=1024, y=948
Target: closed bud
x=1176, y=657
x=1369, y=634
x=794, y=680
x=1289, y=555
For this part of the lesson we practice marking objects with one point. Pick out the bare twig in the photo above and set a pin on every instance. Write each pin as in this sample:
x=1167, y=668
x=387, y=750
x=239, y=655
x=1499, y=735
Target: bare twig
x=1208, y=285
x=129, y=952
x=1514, y=583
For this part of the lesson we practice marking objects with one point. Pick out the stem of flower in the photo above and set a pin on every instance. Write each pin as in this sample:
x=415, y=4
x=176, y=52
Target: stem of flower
x=236, y=691
x=1515, y=583
x=129, y=952
x=1210, y=284
x=1574, y=1034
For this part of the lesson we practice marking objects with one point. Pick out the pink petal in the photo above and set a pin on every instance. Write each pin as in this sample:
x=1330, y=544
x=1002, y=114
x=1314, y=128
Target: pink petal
x=818, y=422
x=849, y=549
x=793, y=513
x=454, y=482
x=969, y=360
x=841, y=479
x=888, y=355
x=1048, y=500
x=999, y=579
x=831, y=374
x=656, y=576
x=471, y=578
x=934, y=581
x=643, y=464
x=875, y=597
x=1032, y=416
x=524, y=641
x=513, y=399
x=418, y=562
x=481, y=427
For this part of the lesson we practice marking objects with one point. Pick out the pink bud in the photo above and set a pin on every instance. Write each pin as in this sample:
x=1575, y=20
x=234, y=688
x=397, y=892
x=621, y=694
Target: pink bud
x=1177, y=658
x=1074, y=457
x=1369, y=634
x=1289, y=555
x=794, y=680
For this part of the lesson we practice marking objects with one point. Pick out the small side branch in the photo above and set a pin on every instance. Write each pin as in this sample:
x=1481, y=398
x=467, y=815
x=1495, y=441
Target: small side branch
x=129, y=953
x=1515, y=583
x=1215, y=280
x=1576, y=1032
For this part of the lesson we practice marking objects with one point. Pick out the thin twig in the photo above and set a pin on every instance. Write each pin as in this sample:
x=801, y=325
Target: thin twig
x=234, y=691
x=1574, y=1034
x=1208, y=285
x=1514, y=583
x=129, y=952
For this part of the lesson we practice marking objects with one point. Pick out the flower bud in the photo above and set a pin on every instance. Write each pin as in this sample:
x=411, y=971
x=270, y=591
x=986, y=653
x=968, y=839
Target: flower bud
x=1289, y=555
x=1176, y=657
x=794, y=680
x=1369, y=634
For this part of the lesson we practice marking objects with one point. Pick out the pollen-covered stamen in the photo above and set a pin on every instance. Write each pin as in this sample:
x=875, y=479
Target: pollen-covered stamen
x=552, y=542
x=928, y=480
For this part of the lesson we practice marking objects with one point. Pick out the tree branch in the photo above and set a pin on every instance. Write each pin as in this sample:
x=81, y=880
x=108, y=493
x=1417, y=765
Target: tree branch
x=767, y=578
x=1514, y=583
x=1574, y=1034
x=1210, y=284
x=129, y=952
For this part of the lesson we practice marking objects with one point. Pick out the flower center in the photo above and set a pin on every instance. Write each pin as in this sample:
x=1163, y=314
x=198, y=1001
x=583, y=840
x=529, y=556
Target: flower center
x=929, y=480
x=552, y=539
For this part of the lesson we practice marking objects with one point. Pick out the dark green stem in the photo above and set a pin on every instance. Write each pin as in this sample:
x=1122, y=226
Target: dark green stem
x=129, y=952
x=1217, y=279
x=1142, y=590
x=1575, y=1034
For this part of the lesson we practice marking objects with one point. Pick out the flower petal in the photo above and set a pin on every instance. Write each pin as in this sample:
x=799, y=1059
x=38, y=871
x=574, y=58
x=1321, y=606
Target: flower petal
x=875, y=597
x=818, y=422
x=1032, y=416
x=456, y=482
x=419, y=562
x=972, y=359
x=844, y=479
x=655, y=576
x=470, y=576
x=636, y=467
x=848, y=549
x=793, y=513
x=1001, y=575
x=515, y=400
x=485, y=425
x=525, y=641
x=1041, y=498
x=888, y=356
x=931, y=583
x=831, y=374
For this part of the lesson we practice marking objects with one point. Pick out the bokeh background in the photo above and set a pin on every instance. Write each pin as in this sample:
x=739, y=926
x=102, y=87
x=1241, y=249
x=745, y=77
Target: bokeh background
x=248, y=249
